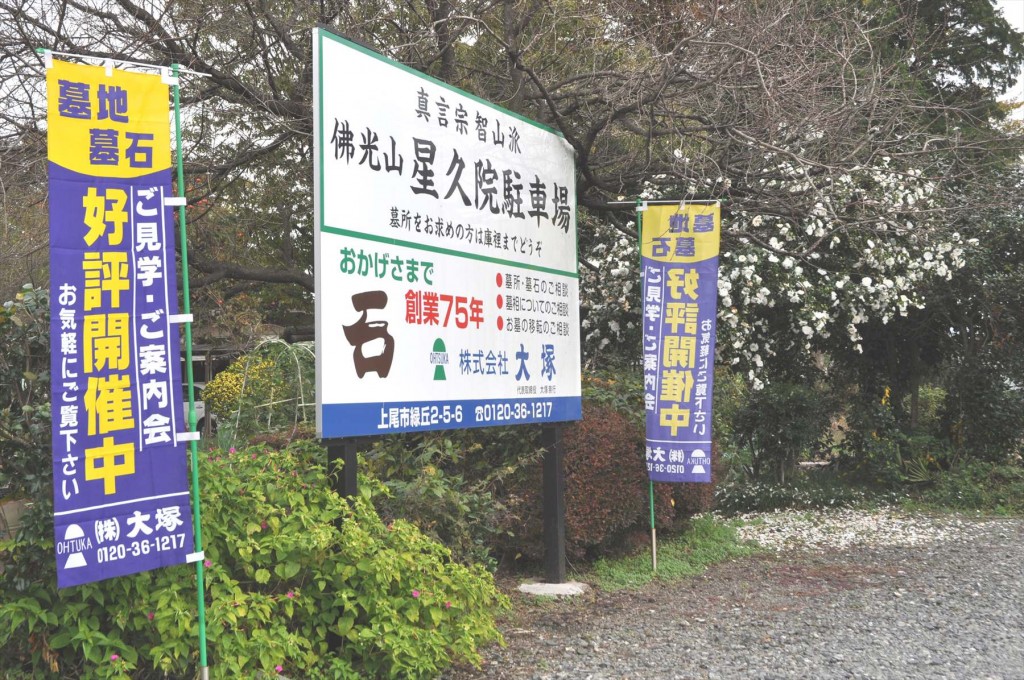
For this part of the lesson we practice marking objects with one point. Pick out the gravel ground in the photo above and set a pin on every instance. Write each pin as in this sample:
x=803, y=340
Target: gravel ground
x=838, y=595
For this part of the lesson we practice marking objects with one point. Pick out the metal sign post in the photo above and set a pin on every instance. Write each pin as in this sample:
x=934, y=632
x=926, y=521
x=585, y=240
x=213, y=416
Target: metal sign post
x=554, y=504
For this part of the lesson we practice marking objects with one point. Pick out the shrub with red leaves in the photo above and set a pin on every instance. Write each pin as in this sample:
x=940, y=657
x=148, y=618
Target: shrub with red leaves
x=606, y=481
x=606, y=489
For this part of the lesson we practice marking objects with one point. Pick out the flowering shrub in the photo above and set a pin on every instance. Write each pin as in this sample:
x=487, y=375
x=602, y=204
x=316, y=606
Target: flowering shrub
x=298, y=580
x=268, y=389
x=254, y=377
x=222, y=393
x=793, y=283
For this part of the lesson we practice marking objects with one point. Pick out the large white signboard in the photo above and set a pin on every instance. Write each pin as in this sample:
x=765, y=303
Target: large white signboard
x=446, y=272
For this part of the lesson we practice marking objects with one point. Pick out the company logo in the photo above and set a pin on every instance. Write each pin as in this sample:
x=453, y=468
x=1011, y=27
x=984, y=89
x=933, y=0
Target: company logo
x=698, y=468
x=439, y=359
x=75, y=543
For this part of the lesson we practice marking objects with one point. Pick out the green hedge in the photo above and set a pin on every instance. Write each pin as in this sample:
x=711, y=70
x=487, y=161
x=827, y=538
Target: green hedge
x=290, y=564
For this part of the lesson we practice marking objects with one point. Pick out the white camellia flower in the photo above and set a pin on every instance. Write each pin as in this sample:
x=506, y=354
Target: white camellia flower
x=893, y=263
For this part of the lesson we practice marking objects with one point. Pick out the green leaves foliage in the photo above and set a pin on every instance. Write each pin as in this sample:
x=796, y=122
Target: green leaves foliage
x=456, y=485
x=24, y=395
x=297, y=577
x=780, y=422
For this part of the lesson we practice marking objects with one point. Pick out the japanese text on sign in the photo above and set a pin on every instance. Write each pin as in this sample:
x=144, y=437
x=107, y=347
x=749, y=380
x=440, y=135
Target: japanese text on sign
x=120, y=484
x=447, y=282
x=680, y=277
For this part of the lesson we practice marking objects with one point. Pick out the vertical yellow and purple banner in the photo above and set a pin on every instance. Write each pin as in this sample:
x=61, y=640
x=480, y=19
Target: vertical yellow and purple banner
x=121, y=495
x=680, y=290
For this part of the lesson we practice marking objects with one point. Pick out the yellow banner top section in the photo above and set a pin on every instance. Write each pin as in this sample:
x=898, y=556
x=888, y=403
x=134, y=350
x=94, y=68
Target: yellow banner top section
x=107, y=126
x=690, y=234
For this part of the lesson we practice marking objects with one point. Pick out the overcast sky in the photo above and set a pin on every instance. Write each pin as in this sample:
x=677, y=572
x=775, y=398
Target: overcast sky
x=1013, y=10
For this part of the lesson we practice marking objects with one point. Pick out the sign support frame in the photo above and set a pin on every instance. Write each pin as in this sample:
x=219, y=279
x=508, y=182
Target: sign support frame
x=640, y=207
x=346, y=451
x=554, y=502
x=204, y=668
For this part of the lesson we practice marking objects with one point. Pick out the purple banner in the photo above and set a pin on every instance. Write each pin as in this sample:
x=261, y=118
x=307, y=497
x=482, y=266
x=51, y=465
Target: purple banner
x=680, y=289
x=121, y=494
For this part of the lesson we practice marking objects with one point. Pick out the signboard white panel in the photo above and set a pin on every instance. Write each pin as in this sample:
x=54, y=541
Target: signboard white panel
x=446, y=272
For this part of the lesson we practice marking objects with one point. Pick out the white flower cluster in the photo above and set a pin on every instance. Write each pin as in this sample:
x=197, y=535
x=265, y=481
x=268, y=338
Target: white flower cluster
x=866, y=246
x=609, y=296
x=825, y=275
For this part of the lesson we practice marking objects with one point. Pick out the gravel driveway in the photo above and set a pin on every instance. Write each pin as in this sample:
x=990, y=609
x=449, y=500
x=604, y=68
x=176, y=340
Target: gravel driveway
x=888, y=596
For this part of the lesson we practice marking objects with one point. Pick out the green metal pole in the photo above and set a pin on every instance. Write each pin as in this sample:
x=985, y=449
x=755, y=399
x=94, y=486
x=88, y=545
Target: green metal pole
x=650, y=484
x=654, y=537
x=204, y=671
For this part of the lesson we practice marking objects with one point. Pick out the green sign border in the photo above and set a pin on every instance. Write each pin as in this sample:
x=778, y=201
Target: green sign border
x=322, y=226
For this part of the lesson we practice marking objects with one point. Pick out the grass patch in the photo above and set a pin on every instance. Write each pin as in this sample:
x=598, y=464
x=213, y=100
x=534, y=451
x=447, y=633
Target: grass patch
x=707, y=542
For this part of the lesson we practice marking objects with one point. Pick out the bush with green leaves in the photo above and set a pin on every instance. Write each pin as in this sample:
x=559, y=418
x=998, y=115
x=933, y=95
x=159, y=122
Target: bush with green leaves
x=978, y=486
x=811, y=490
x=780, y=424
x=297, y=577
x=454, y=485
x=870, y=439
x=931, y=401
x=606, y=488
x=25, y=396
x=983, y=412
x=478, y=490
x=621, y=390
